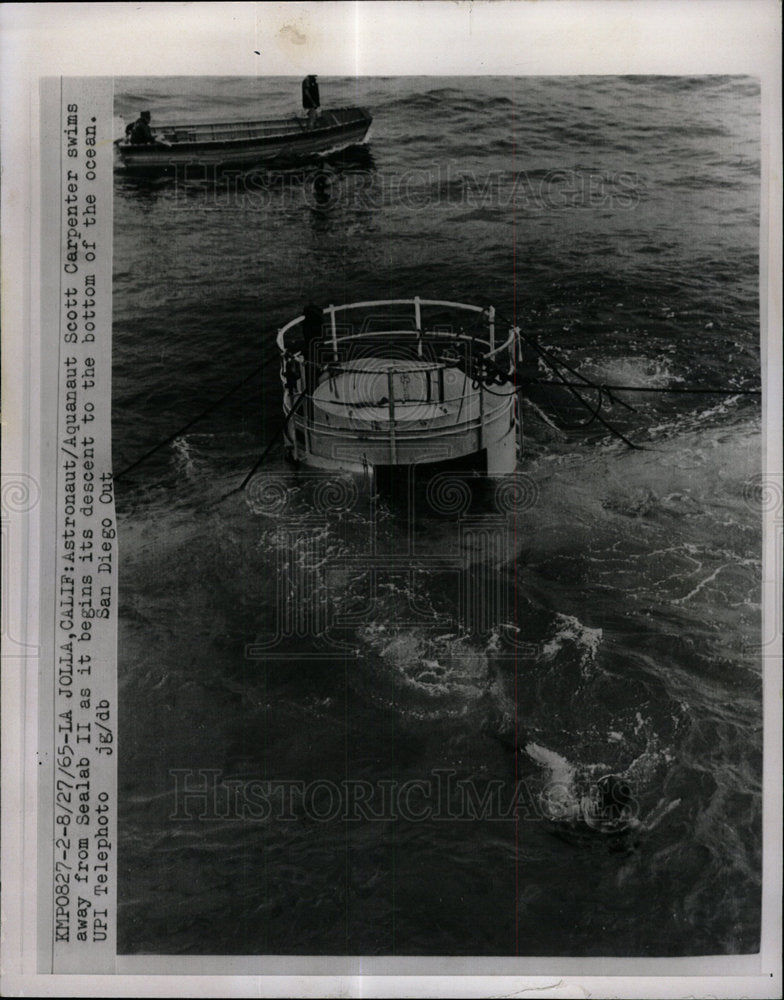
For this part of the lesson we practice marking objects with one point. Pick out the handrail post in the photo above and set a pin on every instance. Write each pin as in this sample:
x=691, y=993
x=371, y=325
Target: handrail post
x=305, y=412
x=418, y=323
x=513, y=331
x=491, y=324
x=392, y=441
x=294, y=430
x=334, y=329
x=481, y=441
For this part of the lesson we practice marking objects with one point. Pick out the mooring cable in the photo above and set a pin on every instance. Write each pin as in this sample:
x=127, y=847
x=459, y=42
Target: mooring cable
x=595, y=415
x=197, y=418
x=553, y=362
x=548, y=357
x=545, y=352
x=273, y=440
x=643, y=388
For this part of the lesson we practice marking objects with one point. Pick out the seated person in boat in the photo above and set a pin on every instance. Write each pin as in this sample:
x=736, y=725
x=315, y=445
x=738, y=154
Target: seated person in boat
x=139, y=132
x=310, y=99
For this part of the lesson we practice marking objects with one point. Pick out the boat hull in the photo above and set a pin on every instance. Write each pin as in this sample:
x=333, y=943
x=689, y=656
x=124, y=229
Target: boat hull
x=247, y=144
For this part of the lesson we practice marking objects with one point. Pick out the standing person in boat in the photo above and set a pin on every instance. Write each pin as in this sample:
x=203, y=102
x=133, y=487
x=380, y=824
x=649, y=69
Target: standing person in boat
x=139, y=132
x=311, y=101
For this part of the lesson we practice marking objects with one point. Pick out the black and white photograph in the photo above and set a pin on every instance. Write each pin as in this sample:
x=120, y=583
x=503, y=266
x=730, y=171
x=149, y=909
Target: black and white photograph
x=441, y=484
x=439, y=622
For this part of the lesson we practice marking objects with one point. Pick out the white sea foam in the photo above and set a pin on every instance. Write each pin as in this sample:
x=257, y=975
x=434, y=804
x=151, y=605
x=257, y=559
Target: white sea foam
x=560, y=769
x=633, y=371
x=570, y=630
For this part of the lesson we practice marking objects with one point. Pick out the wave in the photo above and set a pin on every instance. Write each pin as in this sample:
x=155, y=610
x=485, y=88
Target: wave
x=631, y=370
x=568, y=796
x=571, y=632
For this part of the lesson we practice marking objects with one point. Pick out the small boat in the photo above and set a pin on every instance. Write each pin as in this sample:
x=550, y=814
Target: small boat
x=246, y=143
x=399, y=382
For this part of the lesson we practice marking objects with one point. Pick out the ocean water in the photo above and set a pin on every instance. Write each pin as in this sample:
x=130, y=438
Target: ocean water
x=616, y=220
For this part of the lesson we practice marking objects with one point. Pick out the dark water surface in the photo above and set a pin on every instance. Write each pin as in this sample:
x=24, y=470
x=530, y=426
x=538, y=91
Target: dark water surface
x=616, y=219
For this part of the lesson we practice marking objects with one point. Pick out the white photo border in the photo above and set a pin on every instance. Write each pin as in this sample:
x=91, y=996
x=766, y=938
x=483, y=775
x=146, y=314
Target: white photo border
x=510, y=37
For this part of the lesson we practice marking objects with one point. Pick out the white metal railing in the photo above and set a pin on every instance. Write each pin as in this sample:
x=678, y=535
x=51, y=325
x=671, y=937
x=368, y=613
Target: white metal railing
x=394, y=434
x=336, y=338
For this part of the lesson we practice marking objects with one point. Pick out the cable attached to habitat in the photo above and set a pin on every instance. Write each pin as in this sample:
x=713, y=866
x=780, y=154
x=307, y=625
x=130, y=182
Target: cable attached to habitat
x=594, y=412
x=585, y=381
x=608, y=391
x=554, y=363
x=197, y=418
x=273, y=440
x=643, y=388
